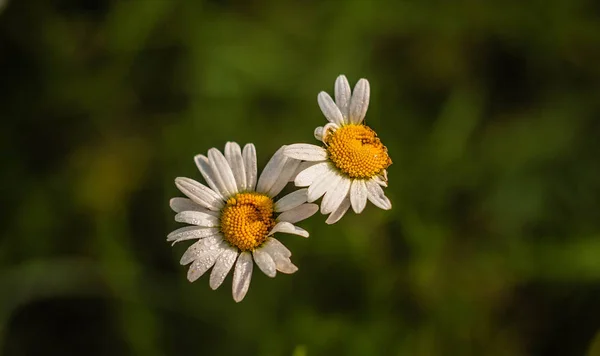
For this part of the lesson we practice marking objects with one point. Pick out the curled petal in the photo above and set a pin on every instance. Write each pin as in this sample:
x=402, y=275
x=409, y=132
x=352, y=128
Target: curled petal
x=319, y=133
x=288, y=228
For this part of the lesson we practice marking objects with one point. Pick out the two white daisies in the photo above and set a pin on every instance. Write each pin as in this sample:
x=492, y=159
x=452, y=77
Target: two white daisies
x=236, y=215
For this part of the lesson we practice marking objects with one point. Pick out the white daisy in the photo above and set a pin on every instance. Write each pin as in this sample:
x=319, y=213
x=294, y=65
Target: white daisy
x=351, y=168
x=234, y=220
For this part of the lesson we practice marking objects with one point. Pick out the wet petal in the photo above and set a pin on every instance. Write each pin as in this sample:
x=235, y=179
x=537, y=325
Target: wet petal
x=291, y=200
x=359, y=102
x=343, y=95
x=306, y=152
x=265, y=262
x=339, y=213
x=242, y=274
x=199, y=193
x=299, y=213
x=334, y=196
x=233, y=155
x=312, y=173
x=288, y=228
x=330, y=110
x=358, y=195
x=376, y=195
x=222, y=266
x=197, y=218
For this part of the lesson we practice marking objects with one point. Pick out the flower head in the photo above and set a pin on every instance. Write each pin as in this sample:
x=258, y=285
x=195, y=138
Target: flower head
x=351, y=167
x=235, y=217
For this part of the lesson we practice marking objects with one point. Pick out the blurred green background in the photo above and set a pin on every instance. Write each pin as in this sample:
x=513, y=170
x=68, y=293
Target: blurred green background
x=491, y=114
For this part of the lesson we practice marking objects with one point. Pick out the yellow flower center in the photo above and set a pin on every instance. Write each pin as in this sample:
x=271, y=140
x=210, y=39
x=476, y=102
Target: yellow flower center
x=246, y=220
x=357, y=151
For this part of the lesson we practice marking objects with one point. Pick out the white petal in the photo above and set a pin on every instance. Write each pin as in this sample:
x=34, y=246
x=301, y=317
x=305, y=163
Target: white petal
x=191, y=232
x=359, y=102
x=342, y=95
x=182, y=204
x=321, y=185
x=298, y=213
x=199, y=193
x=334, y=197
x=207, y=173
x=241, y=276
x=222, y=266
x=271, y=171
x=329, y=109
x=306, y=152
x=383, y=175
x=197, y=218
x=199, y=248
x=339, y=213
x=283, y=264
x=265, y=262
x=376, y=195
x=249, y=155
x=310, y=174
x=358, y=195
x=379, y=180
x=203, y=263
x=233, y=154
x=288, y=228
x=291, y=200
x=288, y=170
x=319, y=133
x=302, y=166
x=272, y=246
x=223, y=175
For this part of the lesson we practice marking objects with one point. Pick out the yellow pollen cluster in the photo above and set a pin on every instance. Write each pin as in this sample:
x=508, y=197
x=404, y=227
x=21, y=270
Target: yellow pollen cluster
x=357, y=151
x=246, y=220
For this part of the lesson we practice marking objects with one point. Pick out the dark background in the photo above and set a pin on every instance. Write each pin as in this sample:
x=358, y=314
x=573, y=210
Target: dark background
x=490, y=111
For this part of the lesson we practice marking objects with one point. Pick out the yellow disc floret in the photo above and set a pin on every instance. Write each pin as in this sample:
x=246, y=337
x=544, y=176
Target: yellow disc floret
x=357, y=151
x=246, y=220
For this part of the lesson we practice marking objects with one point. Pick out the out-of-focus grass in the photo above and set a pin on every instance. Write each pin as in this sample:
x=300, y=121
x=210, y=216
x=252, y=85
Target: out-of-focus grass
x=490, y=113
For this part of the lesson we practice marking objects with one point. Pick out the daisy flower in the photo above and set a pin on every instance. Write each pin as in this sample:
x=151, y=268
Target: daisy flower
x=351, y=167
x=235, y=217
